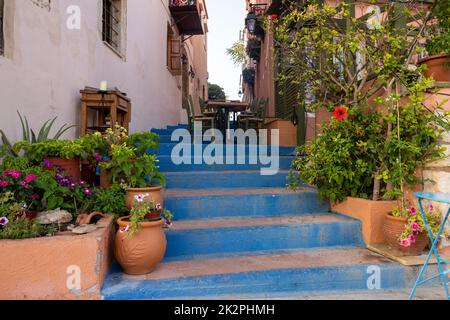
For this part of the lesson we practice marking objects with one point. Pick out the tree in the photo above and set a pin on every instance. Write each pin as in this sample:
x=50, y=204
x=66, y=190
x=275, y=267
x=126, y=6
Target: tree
x=237, y=53
x=215, y=92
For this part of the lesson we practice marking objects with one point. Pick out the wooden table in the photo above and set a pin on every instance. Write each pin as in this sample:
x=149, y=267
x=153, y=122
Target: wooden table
x=102, y=110
x=224, y=108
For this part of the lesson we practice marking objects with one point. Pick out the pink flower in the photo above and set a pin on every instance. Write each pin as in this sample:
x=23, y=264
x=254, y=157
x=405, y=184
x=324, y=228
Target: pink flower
x=415, y=226
x=412, y=210
x=4, y=221
x=141, y=197
x=82, y=182
x=430, y=207
x=124, y=229
x=412, y=239
x=87, y=191
x=3, y=183
x=13, y=173
x=72, y=185
x=24, y=184
x=35, y=196
x=30, y=178
x=405, y=243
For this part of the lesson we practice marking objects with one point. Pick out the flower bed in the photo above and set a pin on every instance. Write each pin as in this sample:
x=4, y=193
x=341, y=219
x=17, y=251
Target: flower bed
x=48, y=267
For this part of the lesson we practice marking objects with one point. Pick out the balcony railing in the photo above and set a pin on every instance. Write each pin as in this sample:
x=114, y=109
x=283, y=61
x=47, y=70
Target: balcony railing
x=187, y=15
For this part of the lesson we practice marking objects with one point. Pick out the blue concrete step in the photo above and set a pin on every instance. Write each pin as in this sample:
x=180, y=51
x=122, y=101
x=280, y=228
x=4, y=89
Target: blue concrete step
x=297, y=272
x=220, y=203
x=166, y=165
x=166, y=149
x=199, y=237
x=225, y=179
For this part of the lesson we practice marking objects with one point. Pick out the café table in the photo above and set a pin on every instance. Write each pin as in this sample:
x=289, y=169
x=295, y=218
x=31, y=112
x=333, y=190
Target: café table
x=224, y=108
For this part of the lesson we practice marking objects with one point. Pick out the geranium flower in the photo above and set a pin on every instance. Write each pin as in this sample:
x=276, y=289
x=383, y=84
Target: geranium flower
x=4, y=221
x=3, y=183
x=412, y=210
x=340, y=113
x=415, y=226
x=13, y=173
x=412, y=239
x=405, y=243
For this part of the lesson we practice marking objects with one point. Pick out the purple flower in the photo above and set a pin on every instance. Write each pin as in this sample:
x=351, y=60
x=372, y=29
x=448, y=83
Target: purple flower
x=47, y=163
x=3, y=221
x=82, y=182
x=72, y=185
x=3, y=183
x=168, y=223
x=87, y=191
x=97, y=156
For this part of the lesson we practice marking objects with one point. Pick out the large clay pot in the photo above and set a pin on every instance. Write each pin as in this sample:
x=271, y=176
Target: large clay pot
x=392, y=229
x=72, y=167
x=140, y=253
x=437, y=67
x=155, y=194
x=104, y=179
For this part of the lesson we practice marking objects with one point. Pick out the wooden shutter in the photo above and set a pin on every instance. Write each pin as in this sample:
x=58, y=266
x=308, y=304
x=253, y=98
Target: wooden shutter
x=174, y=54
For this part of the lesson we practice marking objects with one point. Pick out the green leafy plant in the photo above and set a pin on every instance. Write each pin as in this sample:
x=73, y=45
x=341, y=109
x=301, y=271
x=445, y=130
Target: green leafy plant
x=110, y=200
x=439, y=41
x=144, y=142
x=237, y=53
x=67, y=149
x=141, y=208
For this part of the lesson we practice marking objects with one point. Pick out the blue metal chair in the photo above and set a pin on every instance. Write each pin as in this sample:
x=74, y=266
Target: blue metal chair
x=442, y=198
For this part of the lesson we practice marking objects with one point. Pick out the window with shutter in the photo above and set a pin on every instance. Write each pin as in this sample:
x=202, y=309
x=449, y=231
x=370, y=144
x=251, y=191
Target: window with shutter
x=1, y=27
x=173, y=52
x=112, y=25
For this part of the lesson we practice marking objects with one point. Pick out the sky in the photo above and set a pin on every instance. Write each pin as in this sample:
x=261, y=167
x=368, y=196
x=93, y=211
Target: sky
x=226, y=19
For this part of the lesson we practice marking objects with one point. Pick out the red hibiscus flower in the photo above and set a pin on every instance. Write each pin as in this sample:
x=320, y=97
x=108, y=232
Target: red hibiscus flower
x=340, y=113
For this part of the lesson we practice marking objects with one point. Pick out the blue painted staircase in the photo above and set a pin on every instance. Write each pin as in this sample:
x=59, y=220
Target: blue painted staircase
x=240, y=234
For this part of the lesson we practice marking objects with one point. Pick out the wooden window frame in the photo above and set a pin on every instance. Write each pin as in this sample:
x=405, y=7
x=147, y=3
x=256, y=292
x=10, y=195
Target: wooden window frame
x=174, y=52
x=112, y=24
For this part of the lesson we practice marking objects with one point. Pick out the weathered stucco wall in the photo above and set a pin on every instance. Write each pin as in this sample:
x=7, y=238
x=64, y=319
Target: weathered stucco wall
x=46, y=64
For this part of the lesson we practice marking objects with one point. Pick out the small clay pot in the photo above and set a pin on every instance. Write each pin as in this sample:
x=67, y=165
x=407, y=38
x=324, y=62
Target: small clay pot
x=155, y=194
x=437, y=68
x=153, y=215
x=140, y=253
x=72, y=167
x=89, y=218
x=393, y=228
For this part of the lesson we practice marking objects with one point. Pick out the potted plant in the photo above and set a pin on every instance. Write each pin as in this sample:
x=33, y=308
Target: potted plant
x=254, y=49
x=405, y=230
x=65, y=154
x=140, y=241
x=438, y=46
x=95, y=148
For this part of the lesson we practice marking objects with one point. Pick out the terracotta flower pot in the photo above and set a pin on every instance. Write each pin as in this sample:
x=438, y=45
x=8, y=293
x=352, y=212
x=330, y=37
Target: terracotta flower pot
x=392, y=229
x=72, y=167
x=140, y=253
x=104, y=179
x=436, y=67
x=155, y=194
x=153, y=215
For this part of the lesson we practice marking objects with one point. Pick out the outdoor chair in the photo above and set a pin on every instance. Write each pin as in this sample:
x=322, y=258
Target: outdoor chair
x=203, y=108
x=207, y=122
x=255, y=120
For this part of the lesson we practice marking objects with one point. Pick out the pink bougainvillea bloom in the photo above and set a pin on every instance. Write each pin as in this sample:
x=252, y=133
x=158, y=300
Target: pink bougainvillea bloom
x=30, y=178
x=412, y=210
x=415, y=226
x=3, y=221
x=405, y=242
x=412, y=239
x=3, y=183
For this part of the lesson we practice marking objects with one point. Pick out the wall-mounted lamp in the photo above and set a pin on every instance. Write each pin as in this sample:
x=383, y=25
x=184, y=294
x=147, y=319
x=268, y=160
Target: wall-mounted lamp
x=251, y=20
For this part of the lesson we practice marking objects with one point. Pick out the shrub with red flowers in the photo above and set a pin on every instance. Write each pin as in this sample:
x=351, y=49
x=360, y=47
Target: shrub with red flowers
x=415, y=224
